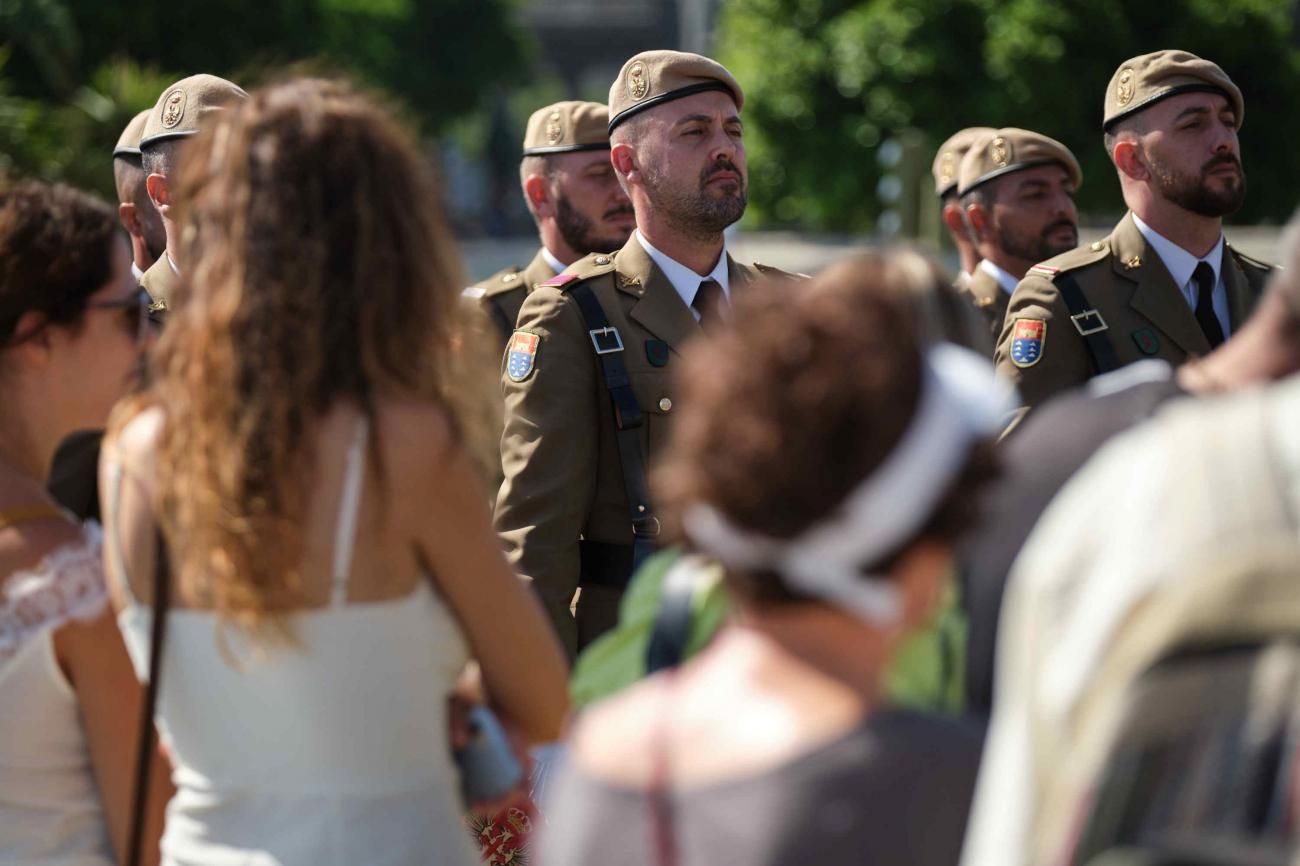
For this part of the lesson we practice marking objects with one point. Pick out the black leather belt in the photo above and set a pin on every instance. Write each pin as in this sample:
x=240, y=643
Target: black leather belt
x=605, y=564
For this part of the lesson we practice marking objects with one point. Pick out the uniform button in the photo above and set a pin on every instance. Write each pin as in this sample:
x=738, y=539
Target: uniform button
x=602, y=260
x=665, y=405
x=1096, y=247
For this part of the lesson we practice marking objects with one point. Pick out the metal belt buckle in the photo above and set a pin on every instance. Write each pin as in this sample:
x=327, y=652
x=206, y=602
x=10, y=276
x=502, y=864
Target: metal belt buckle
x=600, y=338
x=1078, y=318
x=648, y=527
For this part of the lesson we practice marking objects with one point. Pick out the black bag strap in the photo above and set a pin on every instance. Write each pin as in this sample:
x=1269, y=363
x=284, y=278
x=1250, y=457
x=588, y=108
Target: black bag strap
x=1089, y=323
x=628, y=419
x=672, y=625
x=499, y=318
x=145, y=738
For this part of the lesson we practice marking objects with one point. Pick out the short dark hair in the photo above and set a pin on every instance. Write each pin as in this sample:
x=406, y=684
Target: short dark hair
x=831, y=369
x=160, y=157
x=1133, y=124
x=56, y=246
x=984, y=195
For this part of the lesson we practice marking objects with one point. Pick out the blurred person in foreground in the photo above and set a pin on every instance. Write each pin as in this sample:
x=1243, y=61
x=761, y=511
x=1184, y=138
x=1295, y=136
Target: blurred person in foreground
x=1164, y=284
x=1202, y=479
x=772, y=746
x=73, y=329
x=944, y=169
x=178, y=115
x=1017, y=193
x=303, y=449
x=1053, y=443
x=574, y=197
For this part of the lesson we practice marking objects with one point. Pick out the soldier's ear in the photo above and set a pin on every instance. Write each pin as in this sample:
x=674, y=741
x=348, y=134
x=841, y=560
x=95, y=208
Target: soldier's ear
x=977, y=217
x=129, y=218
x=159, y=192
x=1129, y=159
x=952, y=218
x=538, y=195
x=623, y=158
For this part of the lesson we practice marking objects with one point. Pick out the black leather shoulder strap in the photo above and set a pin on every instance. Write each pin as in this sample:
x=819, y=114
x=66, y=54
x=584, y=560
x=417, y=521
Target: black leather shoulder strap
x=145, y=739
x=628, y=418
x=1089, y=324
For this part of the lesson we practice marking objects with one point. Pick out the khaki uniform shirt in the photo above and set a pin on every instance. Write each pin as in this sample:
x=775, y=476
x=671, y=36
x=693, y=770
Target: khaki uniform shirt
x=501, y=295
x=160, y=282
x=559, y=455
x=989, y=298
x=1146, y=315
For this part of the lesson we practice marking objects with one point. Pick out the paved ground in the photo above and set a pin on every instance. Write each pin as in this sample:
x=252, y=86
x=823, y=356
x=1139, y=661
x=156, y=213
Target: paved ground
x=807, y=253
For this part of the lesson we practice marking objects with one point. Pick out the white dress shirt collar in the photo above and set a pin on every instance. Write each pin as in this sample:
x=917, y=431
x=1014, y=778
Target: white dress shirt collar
x=685, y=280
x=172, y=264
x=1178, y=261
x=1004, y=278
x=556, y=265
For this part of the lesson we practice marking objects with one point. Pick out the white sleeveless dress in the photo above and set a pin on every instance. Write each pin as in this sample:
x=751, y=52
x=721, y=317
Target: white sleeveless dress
x=327, y=753
x=50, y=809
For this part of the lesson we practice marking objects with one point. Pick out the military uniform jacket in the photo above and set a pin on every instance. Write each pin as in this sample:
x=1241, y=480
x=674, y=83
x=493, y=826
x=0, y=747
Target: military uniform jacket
x=160, y=282
x=989, y=298
x=559, y=454
x=501, y=295
x=1145, y=314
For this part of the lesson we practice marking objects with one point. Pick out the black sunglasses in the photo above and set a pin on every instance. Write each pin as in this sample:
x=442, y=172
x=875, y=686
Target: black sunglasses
x=136, y=308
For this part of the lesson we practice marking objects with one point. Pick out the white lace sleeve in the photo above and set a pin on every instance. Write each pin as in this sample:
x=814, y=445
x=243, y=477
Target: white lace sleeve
x=67, y=584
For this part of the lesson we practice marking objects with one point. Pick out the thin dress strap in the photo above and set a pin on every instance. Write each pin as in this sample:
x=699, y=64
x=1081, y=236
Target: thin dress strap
x=349, y=503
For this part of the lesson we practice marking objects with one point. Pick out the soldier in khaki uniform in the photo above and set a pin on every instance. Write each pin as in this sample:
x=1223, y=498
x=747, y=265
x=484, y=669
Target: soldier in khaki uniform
x=1017, y=190
x=175, y=117
x=1164, y=284
x=574, y=197
x=946, y=162
x=587, y=374
x=137, y=214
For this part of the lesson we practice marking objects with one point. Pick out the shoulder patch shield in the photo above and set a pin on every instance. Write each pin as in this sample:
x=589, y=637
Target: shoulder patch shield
x=521, y=355
x=1027, y=336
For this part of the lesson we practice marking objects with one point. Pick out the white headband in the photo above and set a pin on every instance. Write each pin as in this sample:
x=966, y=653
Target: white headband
x=961, y=402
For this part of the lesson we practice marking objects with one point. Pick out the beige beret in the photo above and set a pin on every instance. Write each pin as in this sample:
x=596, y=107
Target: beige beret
x=128, y=143
x=948, y=159
x=184, y=105
x=566, y=127
x=1143, y=81
x=654, y=77
x=1008, y=150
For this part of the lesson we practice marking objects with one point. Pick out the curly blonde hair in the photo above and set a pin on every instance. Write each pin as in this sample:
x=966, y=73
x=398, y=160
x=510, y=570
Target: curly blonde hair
x=318, y=269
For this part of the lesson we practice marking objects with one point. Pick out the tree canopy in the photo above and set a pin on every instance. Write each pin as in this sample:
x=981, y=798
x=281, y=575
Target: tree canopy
x=828, y=80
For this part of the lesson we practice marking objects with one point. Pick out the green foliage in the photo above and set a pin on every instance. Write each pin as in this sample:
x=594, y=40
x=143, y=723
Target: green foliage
x=66, y=89
x=827, y=80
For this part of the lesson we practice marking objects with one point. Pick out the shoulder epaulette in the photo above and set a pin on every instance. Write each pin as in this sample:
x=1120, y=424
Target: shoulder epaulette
x=1044, y=271
x=1252, y=262
x=584, y=269
x=1076, y=258
x=559, y=281
x=502, y=281
x=769, y=271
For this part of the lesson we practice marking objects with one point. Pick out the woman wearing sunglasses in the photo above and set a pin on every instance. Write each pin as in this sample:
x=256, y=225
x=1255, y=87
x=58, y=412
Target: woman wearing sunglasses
x=72, y=334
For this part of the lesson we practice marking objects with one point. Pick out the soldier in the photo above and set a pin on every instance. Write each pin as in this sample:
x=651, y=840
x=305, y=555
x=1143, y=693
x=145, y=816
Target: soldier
x=138, y=215
x=588, y=396
x=1164, y=284
x=175, y=117
x=574, y=197
x=1017, y=192
x=944, y=169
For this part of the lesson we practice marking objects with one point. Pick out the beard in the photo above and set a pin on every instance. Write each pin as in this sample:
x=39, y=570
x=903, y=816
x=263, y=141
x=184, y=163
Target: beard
x=1041, y=247
x=579, y=233
x=698, y=212
x=1194, y=192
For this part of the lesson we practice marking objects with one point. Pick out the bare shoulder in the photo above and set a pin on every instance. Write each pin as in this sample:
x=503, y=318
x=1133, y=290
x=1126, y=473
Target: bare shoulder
x=414, y=432
x=135, y=444
x=611, y=739
x=27, y=545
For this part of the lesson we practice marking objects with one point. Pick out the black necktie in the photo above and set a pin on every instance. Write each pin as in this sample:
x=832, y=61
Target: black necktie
x=709, y=303
x=1204, y=276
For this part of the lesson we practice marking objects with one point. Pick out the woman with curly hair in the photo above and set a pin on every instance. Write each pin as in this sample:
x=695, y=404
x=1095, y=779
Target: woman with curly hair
x=304, y=450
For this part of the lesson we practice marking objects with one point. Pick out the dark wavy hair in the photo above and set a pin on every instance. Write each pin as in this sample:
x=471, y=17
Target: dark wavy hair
x=318, y=269
x=56, y=246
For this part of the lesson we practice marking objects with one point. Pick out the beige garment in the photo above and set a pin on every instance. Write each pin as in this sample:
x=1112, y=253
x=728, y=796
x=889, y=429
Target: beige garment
x=1205, y=479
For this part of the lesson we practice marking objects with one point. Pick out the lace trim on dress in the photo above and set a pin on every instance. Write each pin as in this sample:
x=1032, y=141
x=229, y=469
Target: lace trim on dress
x=67, y=584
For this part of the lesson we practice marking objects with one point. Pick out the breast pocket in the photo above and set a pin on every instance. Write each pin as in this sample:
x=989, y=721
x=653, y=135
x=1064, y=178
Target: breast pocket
x=654, y=393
